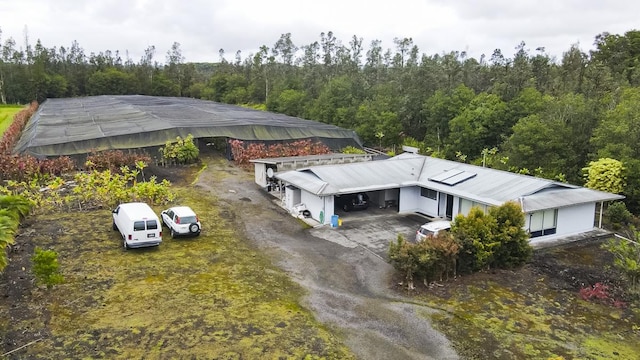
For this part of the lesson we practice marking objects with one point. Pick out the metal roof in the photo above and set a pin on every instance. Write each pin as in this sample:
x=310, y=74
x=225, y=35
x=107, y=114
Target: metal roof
x=303, y=180
x=557, y=198
x=488, y=186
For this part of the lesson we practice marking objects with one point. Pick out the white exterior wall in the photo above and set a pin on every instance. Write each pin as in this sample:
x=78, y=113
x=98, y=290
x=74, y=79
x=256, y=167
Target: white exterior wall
x=292, y=197
x=260, y=172
x=428, y=206
x=576, y=219
x=570, y=220
x=409, y=199
x=313, y=203
x=329, y=207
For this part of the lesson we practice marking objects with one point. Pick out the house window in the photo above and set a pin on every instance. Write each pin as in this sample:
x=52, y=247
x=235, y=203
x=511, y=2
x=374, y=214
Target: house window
x=428, y=193
x=543, y=223
x=466, y=205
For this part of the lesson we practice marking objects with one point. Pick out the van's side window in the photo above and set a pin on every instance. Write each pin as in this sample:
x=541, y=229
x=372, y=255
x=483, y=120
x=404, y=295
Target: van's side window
x=152, y=225
x=138, y=226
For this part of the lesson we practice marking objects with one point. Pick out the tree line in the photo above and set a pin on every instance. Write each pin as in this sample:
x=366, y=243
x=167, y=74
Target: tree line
x=527, y=111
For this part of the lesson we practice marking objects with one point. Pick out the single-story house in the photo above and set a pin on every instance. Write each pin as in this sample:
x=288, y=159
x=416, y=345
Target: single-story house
x=441, y=188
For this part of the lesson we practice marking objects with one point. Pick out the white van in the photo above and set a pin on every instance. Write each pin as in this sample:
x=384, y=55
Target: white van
x=138, y=224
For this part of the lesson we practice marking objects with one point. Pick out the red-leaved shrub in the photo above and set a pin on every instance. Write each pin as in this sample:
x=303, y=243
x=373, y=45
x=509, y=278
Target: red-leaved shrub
x=242, y=154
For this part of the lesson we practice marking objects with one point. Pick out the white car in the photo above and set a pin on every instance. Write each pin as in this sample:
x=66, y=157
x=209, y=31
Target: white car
x=181, y=220
x=432, y=229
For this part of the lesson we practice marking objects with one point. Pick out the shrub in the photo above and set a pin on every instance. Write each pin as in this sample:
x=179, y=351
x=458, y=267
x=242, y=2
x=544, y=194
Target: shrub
x=352, y=150
x=46, y=267
x=183, y=151
x=476, y=241
x=433, y=259
x=475, y=233
x=12, y=134
x=404, y=258
x=25, y=167
x=627, y=260
x=514, y=248
x=242, y=154
x=618, y=214
x=114, y=160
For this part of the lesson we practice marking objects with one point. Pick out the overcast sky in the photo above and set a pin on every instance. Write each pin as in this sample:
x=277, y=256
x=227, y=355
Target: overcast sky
x=204, y=27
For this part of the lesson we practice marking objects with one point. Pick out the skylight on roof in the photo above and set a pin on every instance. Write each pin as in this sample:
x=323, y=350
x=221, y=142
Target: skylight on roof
x=453, y=177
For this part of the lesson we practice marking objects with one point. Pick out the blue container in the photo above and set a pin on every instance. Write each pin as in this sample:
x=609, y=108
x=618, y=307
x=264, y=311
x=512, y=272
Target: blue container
x=334, y=220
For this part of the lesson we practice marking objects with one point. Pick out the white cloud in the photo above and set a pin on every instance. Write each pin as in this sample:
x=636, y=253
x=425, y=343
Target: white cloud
x=203, y=27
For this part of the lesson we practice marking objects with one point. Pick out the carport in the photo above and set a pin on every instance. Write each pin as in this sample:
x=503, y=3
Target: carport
x=386, y=199
x=372, y=230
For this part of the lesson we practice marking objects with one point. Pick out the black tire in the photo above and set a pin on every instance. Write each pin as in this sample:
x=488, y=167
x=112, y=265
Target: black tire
x=194, y=228
x=345, y=207
x=173, y=233
x=115, y=227
x=126, y=247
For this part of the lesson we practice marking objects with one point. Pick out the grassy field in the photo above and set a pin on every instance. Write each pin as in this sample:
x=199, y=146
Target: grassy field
x=213, y=296
x=6, y=115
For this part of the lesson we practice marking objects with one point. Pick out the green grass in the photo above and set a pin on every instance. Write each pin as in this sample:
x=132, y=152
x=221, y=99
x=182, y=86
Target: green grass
x=6, y=116
x=213, y=296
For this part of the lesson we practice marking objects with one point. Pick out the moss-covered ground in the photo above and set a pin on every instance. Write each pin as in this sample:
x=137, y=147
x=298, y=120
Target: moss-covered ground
x=533, y=314
x=209, y=297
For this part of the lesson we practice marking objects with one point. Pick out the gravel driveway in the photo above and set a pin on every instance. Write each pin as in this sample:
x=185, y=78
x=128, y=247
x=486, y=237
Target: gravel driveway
x=348, y=287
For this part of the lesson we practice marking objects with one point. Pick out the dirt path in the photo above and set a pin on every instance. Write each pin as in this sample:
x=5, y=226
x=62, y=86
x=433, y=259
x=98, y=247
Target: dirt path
x=348, y=288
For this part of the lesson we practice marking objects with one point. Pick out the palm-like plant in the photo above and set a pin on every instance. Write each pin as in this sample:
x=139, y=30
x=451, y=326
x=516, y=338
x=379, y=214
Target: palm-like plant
x=17, y=205
x=12, y=209
x=8, y=226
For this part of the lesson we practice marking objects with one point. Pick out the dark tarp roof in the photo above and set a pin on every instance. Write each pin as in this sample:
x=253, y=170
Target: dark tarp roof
x=79, y=125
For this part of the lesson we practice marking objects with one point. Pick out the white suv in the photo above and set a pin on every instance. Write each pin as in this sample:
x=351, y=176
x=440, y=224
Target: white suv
x=432, y=229
x=181, y=220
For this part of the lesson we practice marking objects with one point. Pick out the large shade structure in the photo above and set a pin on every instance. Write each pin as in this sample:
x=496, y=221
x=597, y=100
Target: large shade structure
x=76, y=126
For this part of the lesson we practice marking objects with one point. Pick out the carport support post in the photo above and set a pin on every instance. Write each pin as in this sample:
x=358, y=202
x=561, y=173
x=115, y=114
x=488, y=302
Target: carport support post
x=601, y=210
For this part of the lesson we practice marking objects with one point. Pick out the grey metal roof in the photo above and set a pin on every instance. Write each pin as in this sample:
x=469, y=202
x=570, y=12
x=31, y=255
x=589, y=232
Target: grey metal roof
x=488, y=186
x=558, y=198
x=303, y=180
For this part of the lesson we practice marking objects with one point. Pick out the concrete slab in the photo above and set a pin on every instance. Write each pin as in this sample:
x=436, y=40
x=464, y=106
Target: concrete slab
x=373, y=231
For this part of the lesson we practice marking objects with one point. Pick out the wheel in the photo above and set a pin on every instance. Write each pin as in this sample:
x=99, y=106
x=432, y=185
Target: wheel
x=173, y=233
x=115, y=227
x=345, y=207
x=126, y=247
x=194, y=228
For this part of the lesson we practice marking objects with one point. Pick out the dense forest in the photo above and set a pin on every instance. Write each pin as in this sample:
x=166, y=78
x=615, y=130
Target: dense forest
x=526, y=112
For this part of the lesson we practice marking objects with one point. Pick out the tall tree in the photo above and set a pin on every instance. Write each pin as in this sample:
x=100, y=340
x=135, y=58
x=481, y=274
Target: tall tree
x=439, y=109
x=621, y=53
x=173, y=69
x=482, y=124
